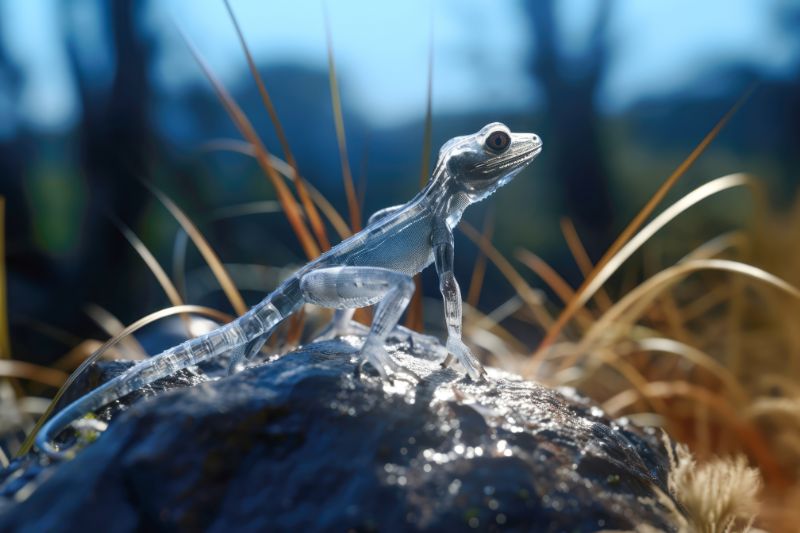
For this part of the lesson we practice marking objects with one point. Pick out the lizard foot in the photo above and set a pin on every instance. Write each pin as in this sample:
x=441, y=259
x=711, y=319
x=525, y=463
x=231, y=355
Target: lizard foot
x=379, y=358
x=341, y=325
x=456, y=347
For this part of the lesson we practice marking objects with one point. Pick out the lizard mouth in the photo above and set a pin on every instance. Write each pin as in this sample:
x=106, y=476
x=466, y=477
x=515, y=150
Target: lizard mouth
x=512, y=159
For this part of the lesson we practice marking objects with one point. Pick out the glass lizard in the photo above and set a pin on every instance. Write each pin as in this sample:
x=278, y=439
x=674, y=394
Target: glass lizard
x=374, y=266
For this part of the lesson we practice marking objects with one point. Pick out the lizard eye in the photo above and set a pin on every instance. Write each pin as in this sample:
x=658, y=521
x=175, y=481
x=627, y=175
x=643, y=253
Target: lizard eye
x=498, y=141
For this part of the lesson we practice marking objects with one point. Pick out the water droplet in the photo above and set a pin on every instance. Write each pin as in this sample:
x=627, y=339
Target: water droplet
x=474, y=522
x=455, y=485
x=500, y=519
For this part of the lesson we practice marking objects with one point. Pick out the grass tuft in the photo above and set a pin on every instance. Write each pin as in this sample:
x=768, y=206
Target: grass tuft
x=718, y=496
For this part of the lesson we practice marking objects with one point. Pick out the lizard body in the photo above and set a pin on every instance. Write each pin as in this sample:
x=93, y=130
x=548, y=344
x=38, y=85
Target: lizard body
x=373, y=266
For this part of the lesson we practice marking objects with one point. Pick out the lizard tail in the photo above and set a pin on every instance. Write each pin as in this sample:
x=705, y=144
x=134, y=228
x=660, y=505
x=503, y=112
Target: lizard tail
x=259, y=320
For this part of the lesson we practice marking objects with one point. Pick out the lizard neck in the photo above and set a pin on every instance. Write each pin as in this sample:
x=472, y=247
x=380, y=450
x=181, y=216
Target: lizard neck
x=443, y=197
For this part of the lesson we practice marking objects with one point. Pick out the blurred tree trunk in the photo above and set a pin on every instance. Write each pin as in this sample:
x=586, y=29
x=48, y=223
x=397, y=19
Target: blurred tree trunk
x=13, y=147
x=571, y=132
x=115, y=140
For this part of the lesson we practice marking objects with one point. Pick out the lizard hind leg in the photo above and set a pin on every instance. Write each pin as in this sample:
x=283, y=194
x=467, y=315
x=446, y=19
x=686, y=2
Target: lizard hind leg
x=352, y=287
x=341, y=325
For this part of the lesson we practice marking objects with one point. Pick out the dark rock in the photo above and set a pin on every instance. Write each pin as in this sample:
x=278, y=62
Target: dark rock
x=303, y=443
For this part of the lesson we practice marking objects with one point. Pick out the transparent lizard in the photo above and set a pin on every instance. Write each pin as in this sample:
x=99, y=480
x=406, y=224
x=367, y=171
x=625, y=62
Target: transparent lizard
x=374, y=266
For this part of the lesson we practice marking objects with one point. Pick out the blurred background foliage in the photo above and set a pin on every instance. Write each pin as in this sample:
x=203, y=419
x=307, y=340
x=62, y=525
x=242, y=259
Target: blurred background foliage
x=96, y=96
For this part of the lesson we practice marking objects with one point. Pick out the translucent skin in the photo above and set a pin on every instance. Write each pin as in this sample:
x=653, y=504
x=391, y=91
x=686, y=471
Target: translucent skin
x=374, y=266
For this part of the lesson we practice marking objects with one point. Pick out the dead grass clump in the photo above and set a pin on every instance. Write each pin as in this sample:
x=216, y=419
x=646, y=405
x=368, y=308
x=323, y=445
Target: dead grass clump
x=716, y=496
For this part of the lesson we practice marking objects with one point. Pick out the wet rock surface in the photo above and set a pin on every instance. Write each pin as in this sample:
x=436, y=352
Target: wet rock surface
x=303, y=443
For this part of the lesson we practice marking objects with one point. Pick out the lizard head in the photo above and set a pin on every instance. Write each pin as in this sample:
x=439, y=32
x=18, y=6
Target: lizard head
x=479, y=164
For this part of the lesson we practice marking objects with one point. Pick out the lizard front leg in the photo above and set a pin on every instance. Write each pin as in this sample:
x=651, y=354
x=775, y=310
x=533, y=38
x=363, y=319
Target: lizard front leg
x=443, y=252
x=352, y=287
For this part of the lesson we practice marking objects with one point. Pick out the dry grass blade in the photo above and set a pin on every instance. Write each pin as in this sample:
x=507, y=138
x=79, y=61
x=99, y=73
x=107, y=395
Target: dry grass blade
x=476, y=323
x=5, y=339
x=719, y=244
x=629, y=308
x=287, y=172
x=81, y=351
x=635, y=224
x=152, y=263
x=611, y=265
x=553, y=280
x=479, y=270
x=424, y=170
x=42, y=328
x=285, y=197
x=698, y=358
x=336, y=101
x=144, y=321
x=581, y=256
x=211, y=258
x=415, y=318
x=750, y=438
x=112, y=326
x=624, y=253
x=155, y=267
x=361, y=190
x=690, y=354
x=546, y=272
x=246, y=209
x=531, y=298
x=40, y=374
x=313, y=216
x=625, y=369
x=295, y=332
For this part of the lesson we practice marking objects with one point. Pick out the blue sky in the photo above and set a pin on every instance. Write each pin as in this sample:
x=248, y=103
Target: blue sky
x=482, y=48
